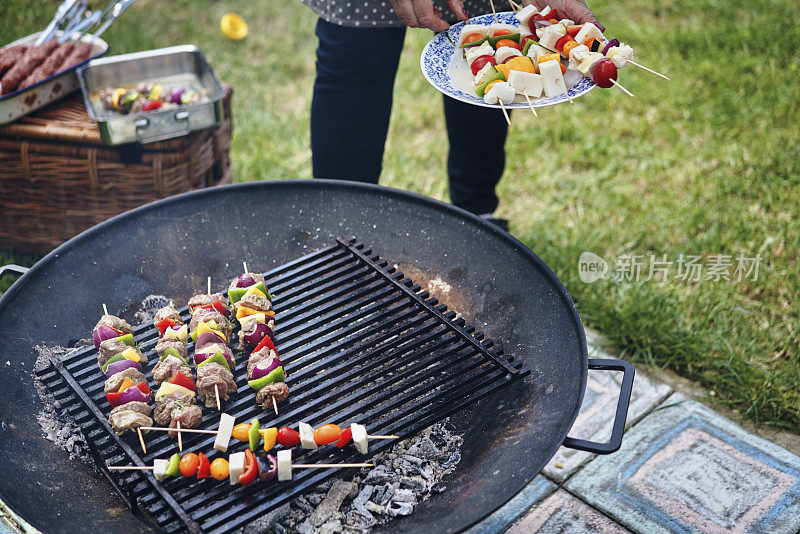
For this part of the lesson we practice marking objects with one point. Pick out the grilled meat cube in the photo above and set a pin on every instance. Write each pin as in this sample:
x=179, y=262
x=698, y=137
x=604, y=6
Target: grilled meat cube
x=256, y=276
x=165, y=404
x=114, y=381
x=210, y=314
x=255, y=302
x=116, y=323
x=166, y=369
x=248, y=327
x=167, y=312
x=207, y=376
x=110, y=347
x=264, y=354
x=203, y=300
x=164, y=344
x=279, y=390
x=189, y=416
x=129, y=416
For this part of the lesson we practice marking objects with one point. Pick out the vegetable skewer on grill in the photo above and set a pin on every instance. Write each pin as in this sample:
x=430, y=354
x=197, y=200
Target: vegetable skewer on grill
x=125, y=387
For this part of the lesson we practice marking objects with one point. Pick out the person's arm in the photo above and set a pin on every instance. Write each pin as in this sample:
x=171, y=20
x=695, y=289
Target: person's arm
x=423, y=14
x=567, y=9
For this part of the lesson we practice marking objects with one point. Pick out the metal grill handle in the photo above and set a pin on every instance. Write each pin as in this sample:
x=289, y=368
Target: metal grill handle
x=12, y=269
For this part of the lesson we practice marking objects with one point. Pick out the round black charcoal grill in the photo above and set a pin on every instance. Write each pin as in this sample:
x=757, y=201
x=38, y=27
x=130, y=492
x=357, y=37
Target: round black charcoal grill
x=171, y=246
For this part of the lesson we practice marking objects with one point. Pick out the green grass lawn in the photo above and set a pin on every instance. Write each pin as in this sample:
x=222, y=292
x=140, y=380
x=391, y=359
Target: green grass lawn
x=707, y=164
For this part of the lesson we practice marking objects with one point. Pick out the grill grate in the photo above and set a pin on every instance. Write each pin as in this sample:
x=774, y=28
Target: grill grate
x=359, y=342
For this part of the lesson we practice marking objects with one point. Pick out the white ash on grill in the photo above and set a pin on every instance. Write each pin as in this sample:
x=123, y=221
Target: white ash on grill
x=403, y=476
x=57, y=426
x=150, y=305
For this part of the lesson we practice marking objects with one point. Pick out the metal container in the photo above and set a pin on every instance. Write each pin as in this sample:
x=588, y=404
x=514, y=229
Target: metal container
x=178, y=65
x=19, y=103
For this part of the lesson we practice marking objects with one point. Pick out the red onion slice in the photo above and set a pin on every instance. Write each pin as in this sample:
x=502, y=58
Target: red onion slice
x=207, y=338
x=264, y=367
x=245, y=280
x=132, y=394
x=119, y=366
x=102, y=333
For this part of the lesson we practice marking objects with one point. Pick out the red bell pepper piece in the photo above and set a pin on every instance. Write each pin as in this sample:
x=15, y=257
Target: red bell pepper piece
x=144, y=389
x=181, y=379
x=345, y=437
x=288, y=437
x=113, y=398
x=266, y=342
x=153, y=104
x=204, y=468
x=217, y=305
x=163, y=325
x=251, y=468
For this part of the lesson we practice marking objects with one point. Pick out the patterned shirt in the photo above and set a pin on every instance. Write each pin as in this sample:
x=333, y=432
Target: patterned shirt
x=380, y=14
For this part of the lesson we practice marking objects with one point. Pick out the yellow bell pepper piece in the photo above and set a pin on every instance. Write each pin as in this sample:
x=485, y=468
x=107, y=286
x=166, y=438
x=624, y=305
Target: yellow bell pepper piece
x=210, y=326
x=131, y=354
x=244, y=311
x=270, y=436
x=254, y=291
x=521, y=63
x=505, y=69
x=125, y=385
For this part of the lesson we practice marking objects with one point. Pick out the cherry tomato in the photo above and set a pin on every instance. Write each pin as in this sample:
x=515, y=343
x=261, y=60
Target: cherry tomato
x=532, y=27
x=537, y=16
x=507, y=42
x=481, y=62
x=241, y=432
x=288, y=437
x=604, y=71
x=502, y=32
x=189, y=464
x=528, y=38
x=219, y=469
x=564, y=39
x=553, y=14
x=326, y=434
x=471, y=38
x=345, y=437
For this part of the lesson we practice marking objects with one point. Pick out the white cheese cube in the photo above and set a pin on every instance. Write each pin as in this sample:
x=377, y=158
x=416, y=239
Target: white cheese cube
x=307, y=436
x=621, y=55
x=524, y=15
x=552, y=79
x=525, y=83
x=285, y=464
x=473, y=52
x=488, y=71
x=559, y=28
x=545, y=10
x=505, y=52
x=549, y=37
x=468, y=30
x=235, y=467
x=160, y=469
x=499, y=92
x=536, y=51
x=224, y=432
x=579, y=53
x=587, y=31
x=587, y=62
x=567, y=22
x=359, y=432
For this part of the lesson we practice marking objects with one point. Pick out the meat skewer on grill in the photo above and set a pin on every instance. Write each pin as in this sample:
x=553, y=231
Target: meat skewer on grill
x=175, y=397
x=126, y=386
x=252, y=303
x=211, y=332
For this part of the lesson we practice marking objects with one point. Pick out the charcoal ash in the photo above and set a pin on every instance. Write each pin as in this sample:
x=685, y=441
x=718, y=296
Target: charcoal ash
x=403, y=476
x=150, y=305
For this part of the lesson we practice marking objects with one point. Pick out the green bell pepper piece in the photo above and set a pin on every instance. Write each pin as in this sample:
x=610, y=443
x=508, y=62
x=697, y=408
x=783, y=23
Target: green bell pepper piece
x=235, y=295
x=481, y=90
x=173, y=467
x=476, y=43
x=127, y=339
x=216, y=358
x=275, y=375
x=254, y=435
x=114, y=358
x=493, y=40
x=171, y=351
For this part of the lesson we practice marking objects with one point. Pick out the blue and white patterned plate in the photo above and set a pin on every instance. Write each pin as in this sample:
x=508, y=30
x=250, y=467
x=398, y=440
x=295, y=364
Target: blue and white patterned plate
x=445, y=68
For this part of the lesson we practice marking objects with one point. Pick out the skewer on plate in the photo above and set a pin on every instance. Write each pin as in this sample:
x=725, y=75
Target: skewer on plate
x=533, y=109
x=616, y=83
x=505, y=113
x=491, y=3
x=651, y=71
x=564, y=90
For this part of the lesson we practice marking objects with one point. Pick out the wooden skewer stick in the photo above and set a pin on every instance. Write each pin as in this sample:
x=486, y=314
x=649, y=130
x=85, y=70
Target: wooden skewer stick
x=216, y=392
x=105, y=310
x=491, y=3
x=274, y=404
x=180, y=440
x=615, y=82
x=382, y=437
x=514, y=4
x=209, y=286
x=244, y=264
x=564, y=90
x=331, y=465
x=651, y=71
x=141, y=439
x=505, y=113
x=131, y=467
x=533, y=109
x=189, y=430
x=510, y=3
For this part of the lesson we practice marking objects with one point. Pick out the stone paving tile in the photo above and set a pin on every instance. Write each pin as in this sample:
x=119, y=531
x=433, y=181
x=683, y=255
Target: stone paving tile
x=563, y=513
x=530, y=495
x=684, y=468
x=596, y=417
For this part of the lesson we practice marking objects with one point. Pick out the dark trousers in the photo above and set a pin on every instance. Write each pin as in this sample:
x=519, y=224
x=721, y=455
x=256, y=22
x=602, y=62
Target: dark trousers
x=350, y=111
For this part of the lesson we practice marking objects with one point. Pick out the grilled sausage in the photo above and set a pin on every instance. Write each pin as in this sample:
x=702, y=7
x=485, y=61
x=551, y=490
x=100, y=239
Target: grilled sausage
x=33, y=57
x=50, y=66
x=9, y=56
x=81, y=52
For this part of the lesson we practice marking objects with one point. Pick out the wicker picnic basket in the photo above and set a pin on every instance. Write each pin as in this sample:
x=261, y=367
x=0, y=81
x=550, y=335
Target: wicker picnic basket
x=57, y=178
